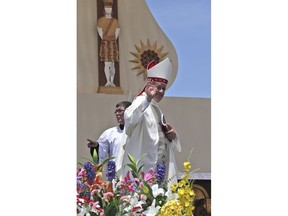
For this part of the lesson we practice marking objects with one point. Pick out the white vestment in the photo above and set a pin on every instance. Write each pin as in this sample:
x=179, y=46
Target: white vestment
x=142, y=130
x=110, y=143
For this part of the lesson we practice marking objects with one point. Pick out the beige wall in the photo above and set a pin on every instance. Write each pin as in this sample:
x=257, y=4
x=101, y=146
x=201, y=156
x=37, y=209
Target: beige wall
x=191, y=117
x=87, y=55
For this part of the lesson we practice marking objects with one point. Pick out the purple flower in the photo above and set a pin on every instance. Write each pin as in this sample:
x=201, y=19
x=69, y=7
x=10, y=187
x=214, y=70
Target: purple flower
x=87, y=194
x=111, y=170
x=90, y=173
x=160, y=172
x=81, y=187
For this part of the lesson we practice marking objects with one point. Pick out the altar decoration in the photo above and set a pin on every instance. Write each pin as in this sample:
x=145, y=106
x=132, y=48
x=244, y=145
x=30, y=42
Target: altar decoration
x=137, y=193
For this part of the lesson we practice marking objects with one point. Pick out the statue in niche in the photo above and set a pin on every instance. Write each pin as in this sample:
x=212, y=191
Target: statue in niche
x=108, y=29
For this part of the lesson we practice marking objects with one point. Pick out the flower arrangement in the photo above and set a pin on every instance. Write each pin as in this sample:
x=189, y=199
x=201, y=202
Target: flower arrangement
x=138, y=193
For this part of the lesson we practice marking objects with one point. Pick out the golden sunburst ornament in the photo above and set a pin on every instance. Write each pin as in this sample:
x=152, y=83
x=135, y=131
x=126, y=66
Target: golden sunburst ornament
x=144, y=55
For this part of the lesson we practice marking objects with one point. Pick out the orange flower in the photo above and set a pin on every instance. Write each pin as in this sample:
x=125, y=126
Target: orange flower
x=97, y=167
x=98, y=178
x=110, y=187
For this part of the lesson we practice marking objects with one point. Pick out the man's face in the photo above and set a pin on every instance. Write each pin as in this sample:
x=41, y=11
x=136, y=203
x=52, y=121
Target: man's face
x=119, y=113
x=161, y=88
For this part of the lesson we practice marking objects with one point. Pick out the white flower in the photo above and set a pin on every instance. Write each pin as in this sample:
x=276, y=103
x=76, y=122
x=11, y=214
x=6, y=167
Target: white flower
x=82, y=211
x=133, y=203
x=134, y=200
x=170, y=195
x=152, y=210
x=156, y=191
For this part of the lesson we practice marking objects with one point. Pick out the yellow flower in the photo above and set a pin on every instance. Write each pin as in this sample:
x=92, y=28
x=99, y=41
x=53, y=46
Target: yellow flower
x=184, y=206
x=187, y=204
x=181, y=191
x=172, y=208
x=174, y=187
x=187, y=166
x=191, y=193
x=181, y=183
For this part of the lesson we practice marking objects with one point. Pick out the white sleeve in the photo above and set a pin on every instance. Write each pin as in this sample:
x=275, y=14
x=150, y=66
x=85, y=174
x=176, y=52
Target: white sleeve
x=176, y=144
x=134, y=113
x=104, y=145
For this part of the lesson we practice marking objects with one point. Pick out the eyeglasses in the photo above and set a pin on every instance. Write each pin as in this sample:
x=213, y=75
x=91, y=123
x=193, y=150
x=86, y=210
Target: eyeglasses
x=118, y=111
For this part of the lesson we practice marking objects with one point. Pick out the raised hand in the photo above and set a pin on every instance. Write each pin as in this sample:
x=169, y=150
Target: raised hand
x=92, y=144
x=151, y=90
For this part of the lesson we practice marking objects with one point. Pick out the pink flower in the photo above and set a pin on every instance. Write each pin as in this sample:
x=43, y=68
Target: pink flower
x=127, y=177
x=143, y=197
x=136, y=209
x=83, y=199
x=81, y=172
x=107, y=196
x=94, y=191
x=149, y=177
x=125, y=198
x=97, y=209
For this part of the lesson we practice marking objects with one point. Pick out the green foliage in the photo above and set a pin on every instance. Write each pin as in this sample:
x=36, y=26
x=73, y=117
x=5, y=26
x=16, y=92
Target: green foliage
x=134, y=165
x=136, y=170
x=104, y=162
x=95, y=156
x=146, y=189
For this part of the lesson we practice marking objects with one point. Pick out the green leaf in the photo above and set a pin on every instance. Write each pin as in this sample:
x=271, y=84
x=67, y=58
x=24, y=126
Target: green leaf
x=140, y=168
x=149, y=192
x=145, y=189
x=132, y=159
x=137, y=162
x=132, y=167
x=105, y=161
x=95, y=156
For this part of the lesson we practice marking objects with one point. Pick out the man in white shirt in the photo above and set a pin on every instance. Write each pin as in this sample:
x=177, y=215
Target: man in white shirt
x=110, y=140
x=144, y=132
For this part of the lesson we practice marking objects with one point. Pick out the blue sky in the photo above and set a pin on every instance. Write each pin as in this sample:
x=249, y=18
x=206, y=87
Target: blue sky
x=188, y=26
